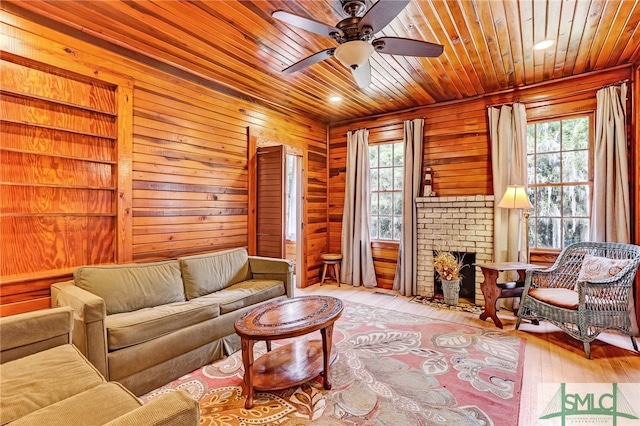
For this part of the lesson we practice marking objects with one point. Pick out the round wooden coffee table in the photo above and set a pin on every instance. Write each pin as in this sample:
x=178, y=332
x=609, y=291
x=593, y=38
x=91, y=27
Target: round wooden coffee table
x=297, y=362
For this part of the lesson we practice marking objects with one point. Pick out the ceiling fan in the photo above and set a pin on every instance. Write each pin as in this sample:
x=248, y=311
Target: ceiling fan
x=355, y=36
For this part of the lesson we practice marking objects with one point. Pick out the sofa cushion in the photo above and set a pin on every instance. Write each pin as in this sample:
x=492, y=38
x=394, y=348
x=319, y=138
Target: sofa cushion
x=95, y=406
x=127, y=288
x=245, y=294
x=44, y=378
x=131, y=328
x=207, y=273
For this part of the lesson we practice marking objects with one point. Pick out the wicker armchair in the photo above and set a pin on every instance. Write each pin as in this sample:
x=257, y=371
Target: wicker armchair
x=582, y=308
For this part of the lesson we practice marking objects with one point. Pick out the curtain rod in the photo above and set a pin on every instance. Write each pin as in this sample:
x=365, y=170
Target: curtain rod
x=395, y=123
x=577, y=92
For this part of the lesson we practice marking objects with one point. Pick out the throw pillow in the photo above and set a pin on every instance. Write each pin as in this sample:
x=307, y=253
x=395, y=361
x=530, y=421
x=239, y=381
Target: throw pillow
x=595, y=268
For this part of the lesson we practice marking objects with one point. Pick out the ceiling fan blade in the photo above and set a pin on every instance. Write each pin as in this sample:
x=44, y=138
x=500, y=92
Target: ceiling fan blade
x=310, y=60
x=362, y=75
x=306, y=23
x=381, y=13
x=407, y=47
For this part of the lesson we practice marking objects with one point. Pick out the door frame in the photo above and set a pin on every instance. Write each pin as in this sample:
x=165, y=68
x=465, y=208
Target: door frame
x=257, y=137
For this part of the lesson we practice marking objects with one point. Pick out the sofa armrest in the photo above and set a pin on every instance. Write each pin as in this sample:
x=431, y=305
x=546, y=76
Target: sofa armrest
x=89, y=331
x=31, y=332
x=174, y=408
x=275, y=269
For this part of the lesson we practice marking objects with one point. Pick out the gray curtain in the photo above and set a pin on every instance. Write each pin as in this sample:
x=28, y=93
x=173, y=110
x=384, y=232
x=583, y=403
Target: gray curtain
x=357, y=259
x=406, y=270
x=611, y=214
x=508, y=131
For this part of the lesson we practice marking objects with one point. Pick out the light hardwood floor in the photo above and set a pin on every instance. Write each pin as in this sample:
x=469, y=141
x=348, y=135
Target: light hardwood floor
x=550, y=355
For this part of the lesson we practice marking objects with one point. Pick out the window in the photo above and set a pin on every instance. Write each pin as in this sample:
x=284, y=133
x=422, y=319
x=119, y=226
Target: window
x=558, y=170
x=386, y=165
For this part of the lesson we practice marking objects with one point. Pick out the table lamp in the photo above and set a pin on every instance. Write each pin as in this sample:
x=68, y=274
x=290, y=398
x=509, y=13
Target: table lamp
x=515, y=197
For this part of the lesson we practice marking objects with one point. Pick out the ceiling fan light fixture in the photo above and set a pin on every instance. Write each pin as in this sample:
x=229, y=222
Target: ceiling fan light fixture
x=354, y=54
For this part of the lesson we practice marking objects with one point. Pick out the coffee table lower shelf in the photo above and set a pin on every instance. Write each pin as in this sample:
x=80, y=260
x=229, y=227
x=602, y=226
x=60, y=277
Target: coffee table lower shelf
x=290, y=365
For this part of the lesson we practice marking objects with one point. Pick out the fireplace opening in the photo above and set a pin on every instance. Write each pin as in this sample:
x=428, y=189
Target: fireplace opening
x=468, y=281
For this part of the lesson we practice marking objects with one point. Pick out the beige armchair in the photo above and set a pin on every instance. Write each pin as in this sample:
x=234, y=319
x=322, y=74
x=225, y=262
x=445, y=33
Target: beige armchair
x=45, y=380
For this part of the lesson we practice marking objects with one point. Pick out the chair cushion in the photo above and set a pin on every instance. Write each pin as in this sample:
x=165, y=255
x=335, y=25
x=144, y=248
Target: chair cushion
x=245, y=294
x=44, y=378
x=95, y=406
x=127, y=288
x=560, y=297
x=596, y=268
x=207, y=273
x=132, y=328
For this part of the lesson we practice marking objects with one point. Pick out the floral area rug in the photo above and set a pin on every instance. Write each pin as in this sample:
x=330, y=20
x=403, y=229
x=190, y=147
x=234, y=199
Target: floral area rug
x=392, y=369
x=439, y=303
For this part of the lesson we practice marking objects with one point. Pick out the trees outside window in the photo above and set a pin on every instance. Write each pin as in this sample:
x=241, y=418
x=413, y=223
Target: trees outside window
x=559, y=180
x=386, y=166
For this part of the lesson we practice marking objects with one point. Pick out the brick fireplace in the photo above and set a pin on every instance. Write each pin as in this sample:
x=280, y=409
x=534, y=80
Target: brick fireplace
x=461, y=224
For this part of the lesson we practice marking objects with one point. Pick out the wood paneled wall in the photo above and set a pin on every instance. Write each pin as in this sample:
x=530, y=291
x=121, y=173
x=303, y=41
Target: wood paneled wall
x=456, y=144
x=188, y=175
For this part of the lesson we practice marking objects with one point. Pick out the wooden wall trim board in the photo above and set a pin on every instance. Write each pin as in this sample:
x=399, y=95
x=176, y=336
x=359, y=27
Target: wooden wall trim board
x=635, y=174
x=124, y=220
x=252, y=176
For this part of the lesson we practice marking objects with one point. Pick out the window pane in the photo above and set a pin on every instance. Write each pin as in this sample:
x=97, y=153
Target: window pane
x=398, y=154
x=531, y=138
x=397, y=203
x=575, y=230
x=374, y=204
x=548, y=233
x=386, y=179
x=397, y=228
x=575, y=166
x=575, y=133
x=385, y=203
x=374, y=228
x=548, y=201
x=398, y=177
x=532, y=231
x=385, y=228
x=373, y=156
x=575, y=201
x=531, y=169
x=386, y=155
x=548, y=136
x=548, y=168
x=374, y=179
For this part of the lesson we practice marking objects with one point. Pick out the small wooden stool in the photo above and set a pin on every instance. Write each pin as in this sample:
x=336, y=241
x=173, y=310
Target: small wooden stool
x=331, y=261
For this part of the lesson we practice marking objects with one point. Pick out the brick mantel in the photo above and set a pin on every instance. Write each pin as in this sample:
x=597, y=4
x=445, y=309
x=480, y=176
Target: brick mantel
x=463, y=224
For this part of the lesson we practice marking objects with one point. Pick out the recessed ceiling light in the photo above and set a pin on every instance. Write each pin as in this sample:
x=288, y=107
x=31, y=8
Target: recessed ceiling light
x=335, y=99
x=544, y=44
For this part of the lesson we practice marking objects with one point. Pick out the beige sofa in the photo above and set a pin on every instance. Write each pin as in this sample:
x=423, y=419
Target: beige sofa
x=144, y=325
x=46, y=380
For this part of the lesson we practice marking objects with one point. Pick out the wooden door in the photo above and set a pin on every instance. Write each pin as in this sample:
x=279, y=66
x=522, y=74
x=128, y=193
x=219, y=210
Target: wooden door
x=270, y=197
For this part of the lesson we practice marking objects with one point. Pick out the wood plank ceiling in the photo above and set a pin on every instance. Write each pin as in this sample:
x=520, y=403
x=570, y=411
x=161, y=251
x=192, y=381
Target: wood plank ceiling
x=238, y=47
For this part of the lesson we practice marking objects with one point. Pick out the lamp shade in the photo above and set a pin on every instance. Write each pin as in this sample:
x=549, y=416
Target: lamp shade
x=353, y=54
x=515, y=197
